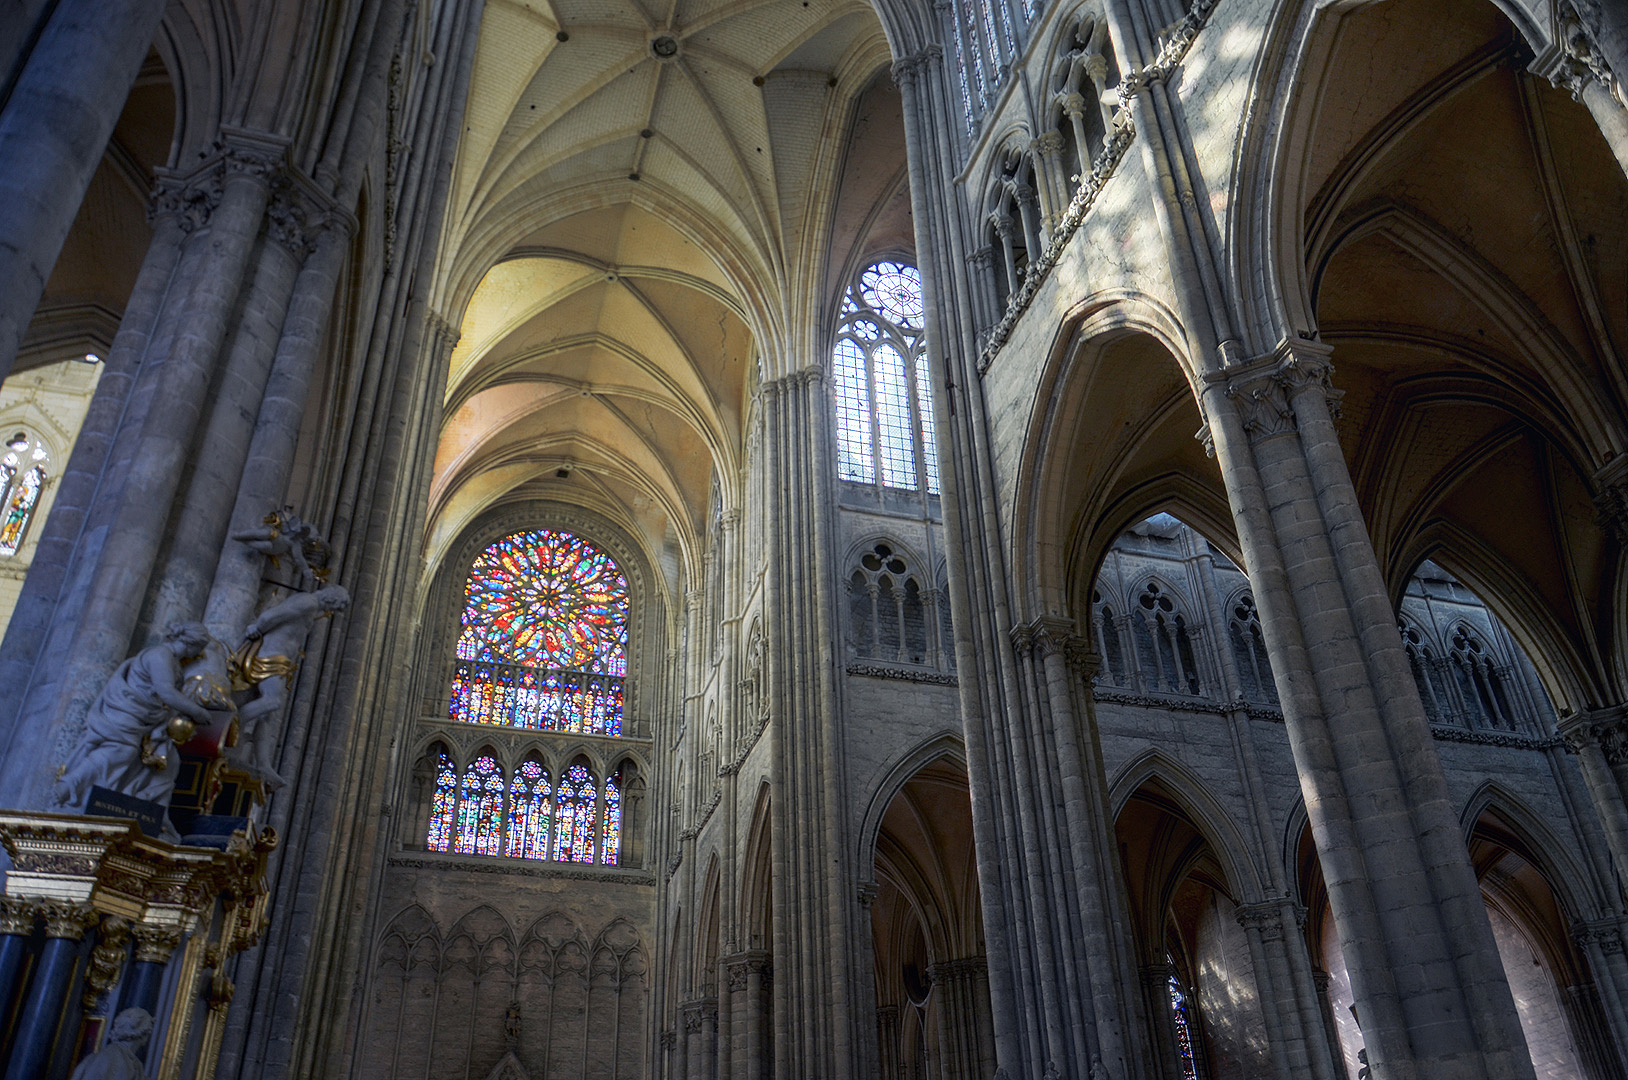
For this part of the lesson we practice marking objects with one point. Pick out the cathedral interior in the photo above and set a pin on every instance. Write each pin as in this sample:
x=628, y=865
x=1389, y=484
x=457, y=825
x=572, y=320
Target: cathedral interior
x=814, y=539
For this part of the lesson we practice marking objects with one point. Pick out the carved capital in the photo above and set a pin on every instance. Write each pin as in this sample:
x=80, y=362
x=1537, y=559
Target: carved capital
x=64, y=920
x=1573, y=61
x=1072, y=104
x=1266, y=390
x=867, y=892
x=1611, y=497
x=1052, y=636
x=190, y=199
x=907, y=69
x=1605, y=728
x=1603, y=934
x=669, y=1039
x=1004, y=226
x=17, y=915
x=1270, y=917
x=154, y=944
x=1049, y=144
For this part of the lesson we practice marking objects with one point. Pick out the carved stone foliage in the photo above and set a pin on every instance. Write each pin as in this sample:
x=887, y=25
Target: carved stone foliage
x=456, y=999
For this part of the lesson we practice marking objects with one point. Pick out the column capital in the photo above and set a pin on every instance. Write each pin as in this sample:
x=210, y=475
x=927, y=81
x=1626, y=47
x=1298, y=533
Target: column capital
x=1611, y=497
x=1264, y=390
x=154, y=944
x=1605, y=934
x=1048, y=144
x=17, y=914
x=907, y=69
x=1572, y=60
x=867, y=891
x=1605, y=728
x=1072, y=103
x=64, y=920
x=1271, y=917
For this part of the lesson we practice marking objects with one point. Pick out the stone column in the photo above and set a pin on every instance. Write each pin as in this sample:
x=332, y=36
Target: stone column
x=1599, y=738
x=1601, y=942
x=816, y=916
x=154, y=947
x=1413, y=927
x=296, y=215
x=53, y=131
x=17, y=918
x=36, y=1034
x=229, y=193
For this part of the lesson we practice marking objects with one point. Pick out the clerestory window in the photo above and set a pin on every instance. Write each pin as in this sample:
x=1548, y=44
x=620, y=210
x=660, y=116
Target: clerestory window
x=884, y=394
x=543, y=641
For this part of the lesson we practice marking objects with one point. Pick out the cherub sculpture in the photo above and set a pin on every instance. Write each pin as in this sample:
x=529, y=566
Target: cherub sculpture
x=283, y=534
x=132, y=730
x=272, y=648
x=120, y=1059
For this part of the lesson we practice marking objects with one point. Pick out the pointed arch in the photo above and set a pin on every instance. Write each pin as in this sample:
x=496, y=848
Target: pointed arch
x=1201, y=807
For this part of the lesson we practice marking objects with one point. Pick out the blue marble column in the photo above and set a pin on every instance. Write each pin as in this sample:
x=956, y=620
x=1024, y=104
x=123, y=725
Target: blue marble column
x=65, y=925
x=16, y=926
x=145, y=980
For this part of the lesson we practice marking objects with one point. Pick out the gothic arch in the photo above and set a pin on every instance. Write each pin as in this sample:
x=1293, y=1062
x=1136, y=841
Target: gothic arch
x=1116, y=352
x=1538, y=844
x=908, y=765
x=1201, y=807
x=757, y=875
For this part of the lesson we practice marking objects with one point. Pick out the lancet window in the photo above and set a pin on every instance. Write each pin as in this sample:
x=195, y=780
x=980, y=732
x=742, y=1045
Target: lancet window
x=543, y=638
x=884, y=393
x=987, y=35
x=1184, y=1033
x=485, y=810
x=23, y=472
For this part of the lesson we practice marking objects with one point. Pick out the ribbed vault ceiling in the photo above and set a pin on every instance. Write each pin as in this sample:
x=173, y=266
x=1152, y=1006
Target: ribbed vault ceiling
x=639, y=208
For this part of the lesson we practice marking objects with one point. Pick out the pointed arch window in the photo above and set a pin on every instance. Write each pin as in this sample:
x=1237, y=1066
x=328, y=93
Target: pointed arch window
x=443, y=804
x=1184, y=1034
x=22, y=479
x=574, y=814
x=480, y=813
x=883, y=390
x=530, y=811
x=1249, y=649
x=611, y=842
x=543, y=640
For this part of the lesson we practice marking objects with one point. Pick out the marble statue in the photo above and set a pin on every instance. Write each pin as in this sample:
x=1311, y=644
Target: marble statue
x=132, y=730
x=272, y=648
x=281, y=534
x=120, y=1058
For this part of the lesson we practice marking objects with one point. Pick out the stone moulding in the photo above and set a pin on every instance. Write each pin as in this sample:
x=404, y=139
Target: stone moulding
x=1171, y=55
x=883, y=671
x=534, y=868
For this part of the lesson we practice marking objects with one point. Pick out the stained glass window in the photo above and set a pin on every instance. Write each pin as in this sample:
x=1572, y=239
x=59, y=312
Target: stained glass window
x=543, y=641
x=884, y=399
x=444, y=806
x=1184, y=1036
x=480, y=811
x=574, y=816
x=22, y=478
x=611, y=843
x=530, y=812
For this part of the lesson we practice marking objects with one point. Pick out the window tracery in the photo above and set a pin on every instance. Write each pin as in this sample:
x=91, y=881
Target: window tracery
x=883, y=391
x=1163, y=645
x=543, y=643
x=889, y=610
x=1249, y=648
x=484, y=810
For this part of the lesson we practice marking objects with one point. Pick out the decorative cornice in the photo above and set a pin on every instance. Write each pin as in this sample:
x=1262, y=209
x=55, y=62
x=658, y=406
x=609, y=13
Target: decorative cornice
x=882, y=671
x=532, y=868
